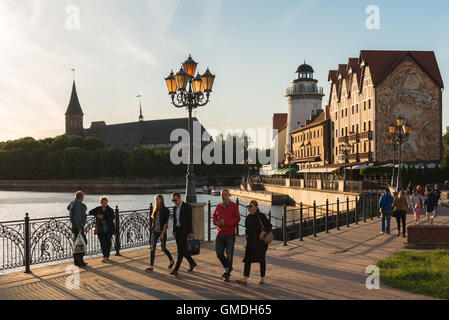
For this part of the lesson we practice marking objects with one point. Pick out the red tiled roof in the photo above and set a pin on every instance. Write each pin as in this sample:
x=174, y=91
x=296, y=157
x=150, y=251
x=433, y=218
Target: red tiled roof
x=279, y=121
x=381, y=63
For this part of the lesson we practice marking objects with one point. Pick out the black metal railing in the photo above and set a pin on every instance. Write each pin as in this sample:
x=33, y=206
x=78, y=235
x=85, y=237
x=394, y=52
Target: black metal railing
x=310, y=220
x=38, y=241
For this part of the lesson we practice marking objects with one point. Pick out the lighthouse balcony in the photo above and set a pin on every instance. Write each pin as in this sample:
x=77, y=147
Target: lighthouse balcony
x=301, y=89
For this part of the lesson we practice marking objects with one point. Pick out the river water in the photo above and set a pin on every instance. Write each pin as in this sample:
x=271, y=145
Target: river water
x=15, y=204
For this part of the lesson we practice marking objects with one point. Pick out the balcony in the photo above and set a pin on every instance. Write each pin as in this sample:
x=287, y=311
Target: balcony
x=343, y=139
x=301, y=89
x=366, y=156
x=367, y=135
x=354, y=137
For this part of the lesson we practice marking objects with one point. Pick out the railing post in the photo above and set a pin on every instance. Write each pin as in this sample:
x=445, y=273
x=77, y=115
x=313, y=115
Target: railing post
x=314, y=218
x=238, y=225
x=338, y=214
x=347, y=211
x=300, y=221
x=284, y=225
x=327, y=216
x=369, y=206
x=355, y=210
x=117, y=235
x=363, y=207
x=209, y=225
x=27, y=249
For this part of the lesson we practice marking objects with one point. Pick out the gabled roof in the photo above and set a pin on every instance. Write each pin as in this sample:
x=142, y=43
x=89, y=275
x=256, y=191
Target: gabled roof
x=74, y=107
x=382, y=62
x=319, y=118
x=127, y=136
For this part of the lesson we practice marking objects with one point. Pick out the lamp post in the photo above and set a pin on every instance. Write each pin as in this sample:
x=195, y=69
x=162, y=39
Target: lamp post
x=345, y=149
x=190, y=92
x=289, y=157
x=399, y=133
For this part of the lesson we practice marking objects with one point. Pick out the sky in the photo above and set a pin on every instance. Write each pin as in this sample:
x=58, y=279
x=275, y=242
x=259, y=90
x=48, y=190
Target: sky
x=125, y=48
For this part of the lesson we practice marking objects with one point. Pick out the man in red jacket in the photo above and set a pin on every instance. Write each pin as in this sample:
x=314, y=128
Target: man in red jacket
x=226, y=218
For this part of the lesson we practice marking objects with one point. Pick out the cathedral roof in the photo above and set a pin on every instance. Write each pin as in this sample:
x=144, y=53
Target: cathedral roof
x=74, y=107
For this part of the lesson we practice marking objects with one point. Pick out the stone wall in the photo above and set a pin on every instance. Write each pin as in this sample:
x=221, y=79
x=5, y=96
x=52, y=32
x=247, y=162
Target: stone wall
x=428, y=235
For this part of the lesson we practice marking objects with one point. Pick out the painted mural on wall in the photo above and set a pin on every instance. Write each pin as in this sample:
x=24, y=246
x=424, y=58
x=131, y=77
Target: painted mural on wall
x=410, y=92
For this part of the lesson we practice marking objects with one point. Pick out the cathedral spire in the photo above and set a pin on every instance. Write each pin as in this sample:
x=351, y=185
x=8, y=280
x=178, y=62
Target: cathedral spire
x=74, y=114
x=74, y=107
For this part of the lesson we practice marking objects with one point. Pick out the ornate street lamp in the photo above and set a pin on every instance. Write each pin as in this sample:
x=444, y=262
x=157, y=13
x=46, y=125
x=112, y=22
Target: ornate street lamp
x=399, y=134
x=345, y=149
x=190, y=92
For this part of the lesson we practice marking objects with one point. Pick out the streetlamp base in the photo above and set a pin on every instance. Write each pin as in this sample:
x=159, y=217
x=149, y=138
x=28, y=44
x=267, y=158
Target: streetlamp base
x=191, y=188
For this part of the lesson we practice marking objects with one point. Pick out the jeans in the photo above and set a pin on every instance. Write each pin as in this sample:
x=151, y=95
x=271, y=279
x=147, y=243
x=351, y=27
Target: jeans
x=400, y=215
x=225, y=243
x=386, y=216
x=105, y=243
x=247, y=270
x=154, y=239
x=78, y=257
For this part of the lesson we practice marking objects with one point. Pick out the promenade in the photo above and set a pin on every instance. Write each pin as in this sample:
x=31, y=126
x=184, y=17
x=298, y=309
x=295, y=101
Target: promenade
x=330, y=266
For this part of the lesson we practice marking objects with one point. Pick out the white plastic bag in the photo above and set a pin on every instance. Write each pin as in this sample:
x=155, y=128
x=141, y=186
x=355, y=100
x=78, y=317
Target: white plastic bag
x=80, y=245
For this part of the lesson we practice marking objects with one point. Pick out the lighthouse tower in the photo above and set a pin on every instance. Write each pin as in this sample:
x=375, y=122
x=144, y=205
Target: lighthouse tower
x=304, y=98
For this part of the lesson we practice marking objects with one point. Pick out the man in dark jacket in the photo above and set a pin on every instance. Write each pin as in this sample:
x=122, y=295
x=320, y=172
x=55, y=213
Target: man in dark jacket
x=182, y=230
x=78, y=219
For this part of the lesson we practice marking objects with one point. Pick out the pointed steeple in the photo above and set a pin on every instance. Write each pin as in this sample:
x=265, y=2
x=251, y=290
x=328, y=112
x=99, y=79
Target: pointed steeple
x=140, y=104
x=74, y=108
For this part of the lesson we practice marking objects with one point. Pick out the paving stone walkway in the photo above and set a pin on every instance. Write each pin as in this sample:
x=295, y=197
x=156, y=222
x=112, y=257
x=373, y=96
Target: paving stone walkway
x=330, y=266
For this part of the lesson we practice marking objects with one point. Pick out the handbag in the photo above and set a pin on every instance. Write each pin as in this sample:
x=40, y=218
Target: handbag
x=268, y=237
x=193, y=246
x=96, y=223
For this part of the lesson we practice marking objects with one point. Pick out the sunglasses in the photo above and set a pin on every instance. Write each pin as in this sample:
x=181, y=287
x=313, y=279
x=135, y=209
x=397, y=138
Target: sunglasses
x=249, y=206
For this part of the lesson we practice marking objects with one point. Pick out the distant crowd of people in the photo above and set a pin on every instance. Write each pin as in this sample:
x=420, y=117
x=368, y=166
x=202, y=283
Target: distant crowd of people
x=416, y=199
x=226, y=218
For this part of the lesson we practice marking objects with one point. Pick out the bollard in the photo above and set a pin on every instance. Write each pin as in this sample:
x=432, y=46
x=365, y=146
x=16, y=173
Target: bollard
x=355, y=210
x=26, y=243
x=300, y=221
x=338, y=214
x=209, y=226
x=347, y=211
x=314, y=218
x=117, y=234
x=284, y=225
x=327, y=216
x=238, y=225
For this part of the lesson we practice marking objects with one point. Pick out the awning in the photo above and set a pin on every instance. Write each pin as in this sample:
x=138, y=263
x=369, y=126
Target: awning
x=319, y=170
x=360, y=166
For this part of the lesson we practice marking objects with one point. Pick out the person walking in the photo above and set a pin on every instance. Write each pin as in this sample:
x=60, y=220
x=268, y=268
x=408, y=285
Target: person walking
x=431, y=204
x=257, y=225
x=182, y=230
x=159, y=225
x=226, y=217
x=104, y=222
x=416, y=203
x=410, y=188
x=77, y=211
x=386, y=208
x=436, y=191
x=399, y=209
x=420, y=190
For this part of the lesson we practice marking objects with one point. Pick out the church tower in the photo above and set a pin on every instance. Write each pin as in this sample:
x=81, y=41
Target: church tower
x=74, y=115
x=304, y=99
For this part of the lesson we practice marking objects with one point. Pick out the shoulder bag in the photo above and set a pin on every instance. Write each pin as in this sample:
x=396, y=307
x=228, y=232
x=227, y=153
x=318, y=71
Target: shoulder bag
x=268, y=237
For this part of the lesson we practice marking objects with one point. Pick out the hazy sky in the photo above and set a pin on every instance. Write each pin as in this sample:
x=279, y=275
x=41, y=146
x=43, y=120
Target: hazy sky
x=126, y=48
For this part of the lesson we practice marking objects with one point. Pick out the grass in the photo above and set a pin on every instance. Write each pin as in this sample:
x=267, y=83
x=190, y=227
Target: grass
x=424, y=273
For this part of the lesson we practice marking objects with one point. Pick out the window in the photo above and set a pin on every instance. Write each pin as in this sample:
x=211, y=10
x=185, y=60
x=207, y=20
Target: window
x=364, y=126
x=346, y=130
x=318, y=150
x=346, y=112
x=352, y=130
x=369, y=104
x=364, y=105
x=357, y=108
x=364, y=147
x=352, y=109
x=369, y=125
x=342, y=113
x=336, y=133
x=342, y=132
x=357, y=128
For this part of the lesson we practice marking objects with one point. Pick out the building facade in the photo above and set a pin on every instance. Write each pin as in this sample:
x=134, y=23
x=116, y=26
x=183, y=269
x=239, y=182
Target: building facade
x=311, y=142
x=369, y=92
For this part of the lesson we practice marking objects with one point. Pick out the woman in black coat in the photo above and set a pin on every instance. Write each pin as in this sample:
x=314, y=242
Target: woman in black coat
x=104, y=218
x=256, y=248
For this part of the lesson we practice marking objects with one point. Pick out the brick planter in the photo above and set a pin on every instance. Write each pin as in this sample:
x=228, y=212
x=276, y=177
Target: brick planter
x=428, y=235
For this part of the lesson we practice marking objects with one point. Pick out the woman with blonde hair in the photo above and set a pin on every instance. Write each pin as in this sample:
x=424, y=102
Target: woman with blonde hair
x=159, y=224
x=416, y=201
x=400, y=207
